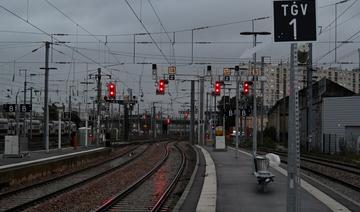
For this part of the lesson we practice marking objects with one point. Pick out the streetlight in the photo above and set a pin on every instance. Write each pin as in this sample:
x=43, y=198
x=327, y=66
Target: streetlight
x=254, y=34
x=336, y=4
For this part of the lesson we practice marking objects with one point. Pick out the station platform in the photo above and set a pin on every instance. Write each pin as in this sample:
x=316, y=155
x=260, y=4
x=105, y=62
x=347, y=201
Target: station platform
x=42, y=155
x=38, y=165
x=228, y=184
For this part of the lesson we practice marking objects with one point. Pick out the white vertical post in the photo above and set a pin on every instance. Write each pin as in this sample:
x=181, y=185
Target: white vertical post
x=201, y=111
x=198, y=117
x=59, y=131
x=86, y=132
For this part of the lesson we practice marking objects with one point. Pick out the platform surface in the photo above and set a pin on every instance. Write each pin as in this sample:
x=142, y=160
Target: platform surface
x=42, y=155
x=237, y=188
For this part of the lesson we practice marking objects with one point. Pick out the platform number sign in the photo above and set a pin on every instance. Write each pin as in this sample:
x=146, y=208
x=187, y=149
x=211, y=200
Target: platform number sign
x=9, y=108
x=24, y=108
x=294, y=21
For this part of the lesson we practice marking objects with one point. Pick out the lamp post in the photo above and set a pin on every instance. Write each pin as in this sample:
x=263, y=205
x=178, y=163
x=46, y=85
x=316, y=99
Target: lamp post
x=254, y=34
x=336, y=4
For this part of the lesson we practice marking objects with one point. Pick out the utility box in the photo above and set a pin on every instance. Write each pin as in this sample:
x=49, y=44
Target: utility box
x=220, y=143
x=11, y=145
x=220, y=139
x=15, y=145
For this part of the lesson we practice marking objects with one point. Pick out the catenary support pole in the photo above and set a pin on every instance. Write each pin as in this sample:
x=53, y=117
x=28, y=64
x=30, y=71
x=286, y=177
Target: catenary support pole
x=237, y=113
x=359, y=60
x=46, y=98
x=254, y=134
x=31, y=96
x=59, y=129
x=309, y=99
x=25, y=89
x=192, y=111
x=153, y=122
x=201, y=111
x=262, y=102
x=98, y=107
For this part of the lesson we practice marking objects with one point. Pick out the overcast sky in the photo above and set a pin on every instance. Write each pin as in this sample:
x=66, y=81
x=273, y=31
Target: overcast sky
x=90, y=23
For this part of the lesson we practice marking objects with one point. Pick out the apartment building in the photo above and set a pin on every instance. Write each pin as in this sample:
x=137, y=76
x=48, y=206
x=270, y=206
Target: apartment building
x=277, y=82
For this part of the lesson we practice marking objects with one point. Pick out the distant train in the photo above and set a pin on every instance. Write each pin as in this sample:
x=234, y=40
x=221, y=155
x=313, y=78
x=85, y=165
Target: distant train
x=8, y=127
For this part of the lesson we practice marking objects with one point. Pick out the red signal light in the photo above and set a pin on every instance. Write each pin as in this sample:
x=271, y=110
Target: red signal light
x=186, y=115
x=161, y=88
x=111, y=90
x=246, y=88
x=217, y=88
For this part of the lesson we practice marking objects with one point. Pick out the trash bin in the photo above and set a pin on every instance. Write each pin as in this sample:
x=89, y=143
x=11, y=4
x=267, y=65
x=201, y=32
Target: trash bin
x=262, y=164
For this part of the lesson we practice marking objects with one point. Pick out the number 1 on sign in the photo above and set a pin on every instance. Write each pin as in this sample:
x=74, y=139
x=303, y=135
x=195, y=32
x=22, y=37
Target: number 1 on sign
x=293, y=22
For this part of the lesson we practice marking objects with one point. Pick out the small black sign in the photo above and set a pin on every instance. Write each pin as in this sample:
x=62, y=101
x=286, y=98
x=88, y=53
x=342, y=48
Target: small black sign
x=9, y=107
x=171, y=76
x=24, y=108
x=226, y=78
x=245, y=112
x=294, y=21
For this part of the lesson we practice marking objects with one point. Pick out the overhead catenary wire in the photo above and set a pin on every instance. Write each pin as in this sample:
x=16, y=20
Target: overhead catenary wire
x=81, y=27
x=172, y=51
x=158, y=18
x=337, y=46
x=141, y=33
x=332, y=22
x=46, y=33
x=147, y=31
x=341, y=23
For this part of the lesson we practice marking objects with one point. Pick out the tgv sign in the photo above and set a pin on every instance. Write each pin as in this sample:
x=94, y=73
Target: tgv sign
x=294, y=21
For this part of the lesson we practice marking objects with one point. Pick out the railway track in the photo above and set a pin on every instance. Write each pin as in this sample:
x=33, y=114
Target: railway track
x=28, y=196
x=339, y=172
x=326, y=162
x=151, y=191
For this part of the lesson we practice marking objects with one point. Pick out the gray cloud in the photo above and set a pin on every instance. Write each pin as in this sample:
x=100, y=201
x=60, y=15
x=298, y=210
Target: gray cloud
x=114, y=17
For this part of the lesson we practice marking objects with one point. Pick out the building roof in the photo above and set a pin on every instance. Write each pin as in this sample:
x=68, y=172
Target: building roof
x=322, y=88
